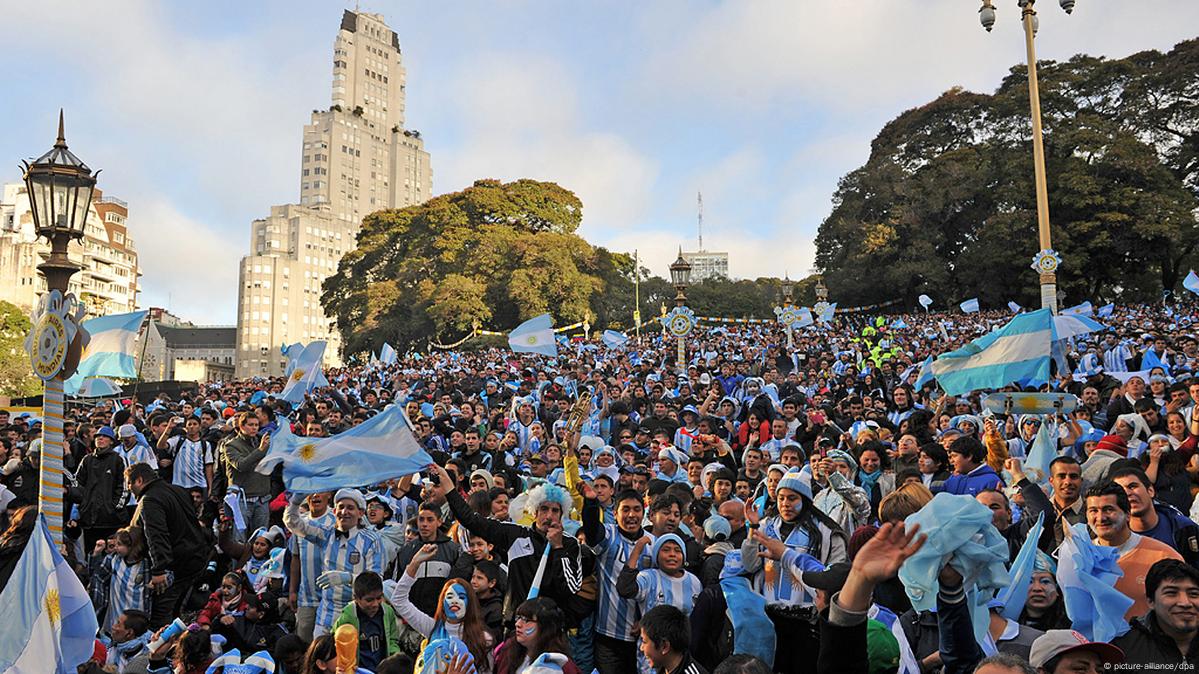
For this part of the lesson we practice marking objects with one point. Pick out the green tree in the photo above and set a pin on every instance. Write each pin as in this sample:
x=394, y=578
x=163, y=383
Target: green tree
x=946, y=203
x=494, y=254
x=16, y=376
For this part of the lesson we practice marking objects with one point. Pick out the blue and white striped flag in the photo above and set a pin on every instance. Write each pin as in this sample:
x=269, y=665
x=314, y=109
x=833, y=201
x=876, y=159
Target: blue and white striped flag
x=926, y=373
x=1017, y=351
x=1043, y=451
x=899, y=324
x=805, y=318
x=614, y=339
x=387, y=354
x=111, y=351
x=970, y=306
x=1084, y=309
x=535, y=335
x=379, y=449
x=1087, y=574
x=49, y=622
x=306, y=375
x=1105, y=310
x=1191, y=282
x=1016, y=308
x=1020, y=574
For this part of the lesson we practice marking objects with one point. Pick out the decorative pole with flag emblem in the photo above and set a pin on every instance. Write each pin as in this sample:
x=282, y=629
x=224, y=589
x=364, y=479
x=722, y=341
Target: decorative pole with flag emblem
x=59, y=186
x=681, y=321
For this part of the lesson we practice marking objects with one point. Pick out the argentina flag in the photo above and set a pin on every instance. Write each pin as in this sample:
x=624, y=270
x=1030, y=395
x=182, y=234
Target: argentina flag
x=110, y=353
x=306, y=374
x=535, y=335
x=49, y=622
x=1015, y=352
x=387, y=354
x=970, y=306
x=614, y=339
x=380, y=448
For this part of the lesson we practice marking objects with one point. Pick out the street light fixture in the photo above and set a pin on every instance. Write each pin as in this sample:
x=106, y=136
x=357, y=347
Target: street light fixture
x=680, y=277
x=60, y=188
x=788, y=287
x=1046, y=261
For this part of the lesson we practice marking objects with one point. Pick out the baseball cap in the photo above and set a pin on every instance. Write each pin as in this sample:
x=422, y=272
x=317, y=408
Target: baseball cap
x=127, y=431
x=1053, y=643
x=536, y=458
x=106, y=431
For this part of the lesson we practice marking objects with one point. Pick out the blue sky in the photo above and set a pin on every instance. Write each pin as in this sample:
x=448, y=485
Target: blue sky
x=195, y=110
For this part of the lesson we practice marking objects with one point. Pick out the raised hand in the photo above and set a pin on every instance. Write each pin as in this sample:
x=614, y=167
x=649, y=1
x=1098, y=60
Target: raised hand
x=881, y=556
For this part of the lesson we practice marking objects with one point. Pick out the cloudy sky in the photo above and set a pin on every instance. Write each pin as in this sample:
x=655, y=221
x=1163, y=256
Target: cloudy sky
x=195, y=110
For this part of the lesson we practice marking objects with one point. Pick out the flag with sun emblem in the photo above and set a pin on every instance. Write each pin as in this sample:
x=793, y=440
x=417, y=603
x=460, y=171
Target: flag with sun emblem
x=535, y=335
x=378, y=449
x=49, y=622
x=306, y=375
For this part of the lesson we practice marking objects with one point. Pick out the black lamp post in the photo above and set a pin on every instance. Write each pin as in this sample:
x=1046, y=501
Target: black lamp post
x=680, y=277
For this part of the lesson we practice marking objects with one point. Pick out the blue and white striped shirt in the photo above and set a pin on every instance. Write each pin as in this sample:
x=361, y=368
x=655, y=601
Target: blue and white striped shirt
x=357, y=551
x=683, y=438
x=190, y=459
x=524, y=436
x=615, y=615
x=311, y=552
x=129, y=589
x=1116, y=358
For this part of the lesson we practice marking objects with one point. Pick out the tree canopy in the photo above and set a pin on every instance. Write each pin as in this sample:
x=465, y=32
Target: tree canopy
x=946, y=202
x=16, y=375
x=493, y=254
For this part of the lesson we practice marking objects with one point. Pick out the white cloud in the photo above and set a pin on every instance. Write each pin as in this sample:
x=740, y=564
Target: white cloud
x=519, y=117
x=178, y=253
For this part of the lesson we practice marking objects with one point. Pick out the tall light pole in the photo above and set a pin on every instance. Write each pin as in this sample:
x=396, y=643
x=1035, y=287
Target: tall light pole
x=681, y=320
x=60, y=188
x=1046, y=261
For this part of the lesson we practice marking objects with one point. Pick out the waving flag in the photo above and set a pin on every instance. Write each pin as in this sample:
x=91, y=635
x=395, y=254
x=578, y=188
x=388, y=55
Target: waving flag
x=380, y=448
x=535, y=335
x=1073, y=325
x=1016, y=308
x=49, y=622
x=925, y=301
x=805, y=318
x=387, y=355
x=926, y=373
x=1043, y=451
x=1191, y=282
x=614, y=339
x=1017, y=351
x=1020, y=574
x=110, y=353
x=1087, y=574
x=898, y=324
x=970, y=306
x=1105, y=310
x=1150, y=360
x=306, y=375
x=1084, y=309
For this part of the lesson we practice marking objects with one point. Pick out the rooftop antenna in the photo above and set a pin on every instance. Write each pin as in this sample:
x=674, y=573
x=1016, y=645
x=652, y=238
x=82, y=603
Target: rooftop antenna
x=700, y=218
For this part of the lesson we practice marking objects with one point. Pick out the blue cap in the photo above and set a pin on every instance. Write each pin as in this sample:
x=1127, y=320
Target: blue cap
x=106, y=431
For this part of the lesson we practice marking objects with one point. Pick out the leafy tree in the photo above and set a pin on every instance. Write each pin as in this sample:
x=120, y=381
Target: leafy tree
x=16, y=376
x=946, y=203
x=494, y=254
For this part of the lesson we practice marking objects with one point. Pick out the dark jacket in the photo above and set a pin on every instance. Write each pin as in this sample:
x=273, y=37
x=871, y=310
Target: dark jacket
x=492, y=611
x=1183, y=533
x=565, y=573
x=448, y=562
x=23, y=483
x=1145, y=643
x=101, y=489
x=175, y=541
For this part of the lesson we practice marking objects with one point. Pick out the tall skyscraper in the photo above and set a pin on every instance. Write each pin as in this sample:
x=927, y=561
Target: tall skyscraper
x=357, y=158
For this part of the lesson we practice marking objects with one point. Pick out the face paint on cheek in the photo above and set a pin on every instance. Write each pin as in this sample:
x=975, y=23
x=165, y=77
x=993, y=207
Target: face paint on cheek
x=529, y=630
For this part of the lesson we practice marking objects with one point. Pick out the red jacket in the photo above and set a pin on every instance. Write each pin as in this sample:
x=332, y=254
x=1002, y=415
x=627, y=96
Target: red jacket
x=214, y=609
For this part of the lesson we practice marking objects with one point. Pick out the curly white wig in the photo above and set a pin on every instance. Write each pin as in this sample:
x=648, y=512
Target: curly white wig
x=548, y=492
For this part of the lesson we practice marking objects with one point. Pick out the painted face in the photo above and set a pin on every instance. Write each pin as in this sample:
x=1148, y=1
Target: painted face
x=455, y=603
x=526, y=631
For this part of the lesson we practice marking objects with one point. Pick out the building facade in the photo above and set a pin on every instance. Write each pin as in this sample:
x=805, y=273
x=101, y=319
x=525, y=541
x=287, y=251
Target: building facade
x=707, y=264
x=108, y=278
x=357, y=158
x=206, y=353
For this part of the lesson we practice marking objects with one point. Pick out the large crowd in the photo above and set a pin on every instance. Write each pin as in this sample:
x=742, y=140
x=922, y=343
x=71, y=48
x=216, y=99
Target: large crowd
x=758, y=508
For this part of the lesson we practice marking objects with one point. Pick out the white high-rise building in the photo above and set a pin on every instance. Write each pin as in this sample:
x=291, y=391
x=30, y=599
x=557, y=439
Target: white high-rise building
x=357, y=158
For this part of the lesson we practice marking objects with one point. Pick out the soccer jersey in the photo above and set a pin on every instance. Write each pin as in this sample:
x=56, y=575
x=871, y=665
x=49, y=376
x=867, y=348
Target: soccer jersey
x=187, y=470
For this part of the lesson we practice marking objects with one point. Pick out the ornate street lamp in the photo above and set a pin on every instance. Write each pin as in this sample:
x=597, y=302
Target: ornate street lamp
x=681, y=320
x=60, y=189
x=788, y=288
x=1046, y=261
x=680, y=277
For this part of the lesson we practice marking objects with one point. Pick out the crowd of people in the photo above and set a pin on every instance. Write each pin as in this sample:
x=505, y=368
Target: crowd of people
x=758, y=508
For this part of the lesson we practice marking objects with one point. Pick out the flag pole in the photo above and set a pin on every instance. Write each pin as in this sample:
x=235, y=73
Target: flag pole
x=142, y=360
x=637, y=293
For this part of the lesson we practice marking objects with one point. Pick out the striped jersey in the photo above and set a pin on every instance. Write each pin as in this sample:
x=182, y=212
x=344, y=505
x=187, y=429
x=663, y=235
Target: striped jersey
x=684, y=437
x=187, y=470
x=779, y=581
x=655, y=588
x=128, y=589
x=311, y=552
x=355, y=551
x=1116, y=358
x=524, y=436
x=615, y=615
